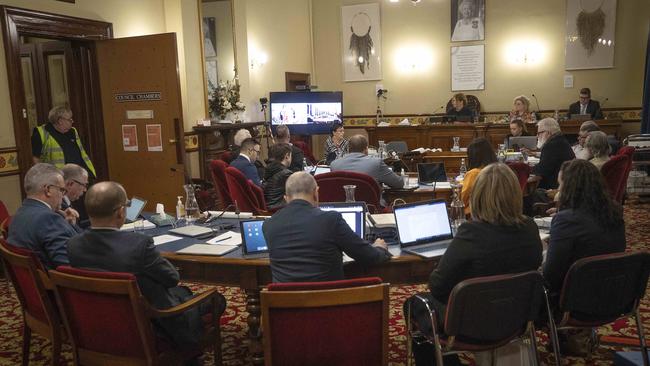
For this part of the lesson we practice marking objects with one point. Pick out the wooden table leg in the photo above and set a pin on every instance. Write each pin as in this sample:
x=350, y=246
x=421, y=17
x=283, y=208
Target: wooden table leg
x=255, y=348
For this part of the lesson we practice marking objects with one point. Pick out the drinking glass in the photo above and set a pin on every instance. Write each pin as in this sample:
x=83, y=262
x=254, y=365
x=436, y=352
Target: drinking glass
x=349, y=192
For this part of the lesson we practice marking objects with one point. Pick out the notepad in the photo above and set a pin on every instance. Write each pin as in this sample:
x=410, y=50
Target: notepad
x=165, y=238
x=227, y=238
x=207, y=249
x=140, y=224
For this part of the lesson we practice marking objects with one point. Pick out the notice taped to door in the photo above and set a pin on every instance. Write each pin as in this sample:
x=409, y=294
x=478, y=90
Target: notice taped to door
x=130, y=137
x=154, y=138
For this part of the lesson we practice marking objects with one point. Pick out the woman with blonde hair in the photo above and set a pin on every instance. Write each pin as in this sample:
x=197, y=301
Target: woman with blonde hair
x=521, y=109
x=499, y=240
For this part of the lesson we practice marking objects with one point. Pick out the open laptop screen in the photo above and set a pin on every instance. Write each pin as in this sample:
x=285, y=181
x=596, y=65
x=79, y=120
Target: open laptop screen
x=517, y=142
x=320, y=169
x=133, y=211
x=252, y=237
x=353, y=213
x=422, y=222
x=431, y=172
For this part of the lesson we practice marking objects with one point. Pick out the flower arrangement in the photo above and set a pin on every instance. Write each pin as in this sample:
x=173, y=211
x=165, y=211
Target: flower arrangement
x=224, y=98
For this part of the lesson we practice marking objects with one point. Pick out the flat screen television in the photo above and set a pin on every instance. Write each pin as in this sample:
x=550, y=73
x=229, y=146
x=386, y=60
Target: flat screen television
x=306, y=113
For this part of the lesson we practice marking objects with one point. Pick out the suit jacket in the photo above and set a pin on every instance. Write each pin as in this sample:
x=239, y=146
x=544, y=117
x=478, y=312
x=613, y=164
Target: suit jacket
x=247, y=168
x=593, y=108
x=554, y=152
x=374, y=167
x=576, y=235
x=297, y=159
x=125, y=251
x=37, y=228
x=306, y=244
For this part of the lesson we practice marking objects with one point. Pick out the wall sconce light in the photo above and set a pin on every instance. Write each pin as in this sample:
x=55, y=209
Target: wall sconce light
x=413, y=59
x=394, y=1
x=525, y=53
x=258, y=60
x=605, y=42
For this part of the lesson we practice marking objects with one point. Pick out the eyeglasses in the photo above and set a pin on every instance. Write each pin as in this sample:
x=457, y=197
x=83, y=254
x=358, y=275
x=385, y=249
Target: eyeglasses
x=61, y=189
x=125, y=204
x=85, y=185
x=67, y=119
x=540, y=132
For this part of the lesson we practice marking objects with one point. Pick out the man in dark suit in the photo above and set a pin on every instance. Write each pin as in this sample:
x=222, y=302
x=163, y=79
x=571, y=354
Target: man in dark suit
x=306, y=244
x=76, y=184
x=586, y=105
x=245, y=161
x=555, y=150
x=282, y=135
x=39, y=224
x=105, y=248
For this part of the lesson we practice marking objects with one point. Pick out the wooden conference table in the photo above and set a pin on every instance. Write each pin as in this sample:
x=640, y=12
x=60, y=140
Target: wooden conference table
x=253, y=274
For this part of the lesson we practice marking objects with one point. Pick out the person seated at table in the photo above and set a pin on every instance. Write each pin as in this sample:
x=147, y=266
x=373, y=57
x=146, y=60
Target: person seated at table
x=277, y=173
x=521, y=109
x=306, y=244
x=518, y=128
x=336, y=145
x=579, y=148
x=39, y=225
x=282, y=134
x=598, y=147
x=76, y=183
x=555, y=150
x=359, y=161
x=499, y=240
x=459, y=110
x=585, y=105
x=479, y=155
x=105, y=248
x=241, y=135
x=245, y=162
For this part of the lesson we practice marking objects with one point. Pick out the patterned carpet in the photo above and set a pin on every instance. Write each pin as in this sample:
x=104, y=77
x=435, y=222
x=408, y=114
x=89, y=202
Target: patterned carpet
x=637, y=219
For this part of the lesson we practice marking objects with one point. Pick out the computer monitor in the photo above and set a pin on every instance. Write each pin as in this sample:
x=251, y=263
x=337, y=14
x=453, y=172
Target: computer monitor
x=431, y=172
x=135, y=209
x=354, y=214
x=422, y=222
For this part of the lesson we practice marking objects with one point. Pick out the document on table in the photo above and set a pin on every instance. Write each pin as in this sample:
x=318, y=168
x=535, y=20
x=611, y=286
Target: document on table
x=138, y=225
x=227, y=238
x=165, y=238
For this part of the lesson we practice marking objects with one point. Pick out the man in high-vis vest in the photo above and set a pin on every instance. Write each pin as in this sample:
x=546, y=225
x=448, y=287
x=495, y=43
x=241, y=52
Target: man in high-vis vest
x=58, y=143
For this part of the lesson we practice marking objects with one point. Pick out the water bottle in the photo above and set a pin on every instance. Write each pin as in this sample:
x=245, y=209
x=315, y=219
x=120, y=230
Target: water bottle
x=380, y=149
x=405, y=178
x=463, y=168
x=305, y=165
x=180, y=208
x=556, y=115
x=457, y=209
x=191, y=205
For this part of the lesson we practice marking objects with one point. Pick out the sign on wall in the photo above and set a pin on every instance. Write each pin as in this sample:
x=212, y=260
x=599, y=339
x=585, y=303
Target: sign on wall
x=361, y=43
x=468, y=68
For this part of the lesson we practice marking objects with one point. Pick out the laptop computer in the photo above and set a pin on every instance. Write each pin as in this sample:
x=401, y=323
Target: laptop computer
x=429, y=173
x=353, y=213
x=192, y=230
x=135, y=209
x=581, y=117
x=320, y=169
x=253, y=241
x=423, y=228
x=517, y=142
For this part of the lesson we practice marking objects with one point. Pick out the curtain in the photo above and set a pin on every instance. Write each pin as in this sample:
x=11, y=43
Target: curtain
x=645, y=121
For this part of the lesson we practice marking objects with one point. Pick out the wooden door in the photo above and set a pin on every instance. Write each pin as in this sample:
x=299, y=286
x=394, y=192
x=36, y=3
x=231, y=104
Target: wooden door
x=140, y=91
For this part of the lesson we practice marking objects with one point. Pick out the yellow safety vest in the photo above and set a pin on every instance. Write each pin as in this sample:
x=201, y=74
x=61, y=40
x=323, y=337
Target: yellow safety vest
x=52, y=153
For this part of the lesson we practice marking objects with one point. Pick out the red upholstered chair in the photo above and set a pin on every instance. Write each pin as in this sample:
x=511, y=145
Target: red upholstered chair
x=248, y=196
x=109, y=321
x=226, y=156
x=627, y=150
x=330, y=188
x=5, y=220
x=485, y=313
x=327, y=323
x=599, y=290
x=218, y=172
x=615, y=172
x=31, y=283
x=305, y=150
x=522, y=171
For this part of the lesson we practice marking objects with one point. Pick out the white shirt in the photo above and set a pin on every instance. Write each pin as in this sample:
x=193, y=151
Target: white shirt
x=246, y=156
x=468, y=32
x=583, y=108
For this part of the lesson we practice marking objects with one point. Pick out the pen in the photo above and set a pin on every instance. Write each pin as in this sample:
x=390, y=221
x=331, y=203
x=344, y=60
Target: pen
x=224, y=239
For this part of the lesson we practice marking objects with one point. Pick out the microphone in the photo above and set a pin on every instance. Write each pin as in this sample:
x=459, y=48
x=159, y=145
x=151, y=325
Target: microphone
x=536, y=101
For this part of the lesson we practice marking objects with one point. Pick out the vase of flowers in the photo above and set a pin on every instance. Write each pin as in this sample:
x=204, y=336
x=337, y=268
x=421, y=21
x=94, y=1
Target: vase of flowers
x=224, y=98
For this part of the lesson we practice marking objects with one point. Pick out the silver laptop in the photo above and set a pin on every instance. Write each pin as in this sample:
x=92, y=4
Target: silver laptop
x=517, y=142
x=423, y=228
x=192, y=230
x=353, y=213
x=134, y=210
x=253, y=241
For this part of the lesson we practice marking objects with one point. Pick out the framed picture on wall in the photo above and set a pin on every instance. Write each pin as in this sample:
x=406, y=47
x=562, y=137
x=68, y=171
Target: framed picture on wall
x=209, y=36
x=590, y=34
x=467, y=68
x=467, y=20
x=361, y=42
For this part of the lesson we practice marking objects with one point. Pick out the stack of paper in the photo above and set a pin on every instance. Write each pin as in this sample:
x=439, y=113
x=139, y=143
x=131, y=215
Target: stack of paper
x=139, y=225
x=383, y=220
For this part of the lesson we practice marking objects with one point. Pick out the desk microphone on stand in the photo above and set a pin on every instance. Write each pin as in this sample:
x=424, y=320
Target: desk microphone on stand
x=536, y=103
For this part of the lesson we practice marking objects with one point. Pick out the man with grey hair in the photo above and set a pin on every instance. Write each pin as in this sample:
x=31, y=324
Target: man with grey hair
x=579, y=149
x=283, y=135
x=76, y=183
x=598, y=147
x=58, y=143
x=37, y=225
x=307, y=244
x=555, y=150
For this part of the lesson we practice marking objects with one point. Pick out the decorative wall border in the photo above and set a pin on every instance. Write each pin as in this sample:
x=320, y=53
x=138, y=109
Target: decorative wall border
x=9, y=161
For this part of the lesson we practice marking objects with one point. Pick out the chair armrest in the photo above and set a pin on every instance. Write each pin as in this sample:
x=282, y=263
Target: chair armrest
x=209, y=295
x=45, y=279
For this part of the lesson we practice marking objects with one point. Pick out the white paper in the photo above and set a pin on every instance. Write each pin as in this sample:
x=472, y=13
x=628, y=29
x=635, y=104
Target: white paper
x=165, y=238
x=140, y=224
x=468, y=68
x=227, y=238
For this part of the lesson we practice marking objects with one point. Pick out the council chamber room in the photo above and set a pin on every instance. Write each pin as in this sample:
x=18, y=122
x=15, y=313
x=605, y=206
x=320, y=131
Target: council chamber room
x=325, y=182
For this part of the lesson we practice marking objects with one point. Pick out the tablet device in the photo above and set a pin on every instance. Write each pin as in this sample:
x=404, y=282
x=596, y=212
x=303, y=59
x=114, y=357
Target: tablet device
x=134, y=210
x=253, y=241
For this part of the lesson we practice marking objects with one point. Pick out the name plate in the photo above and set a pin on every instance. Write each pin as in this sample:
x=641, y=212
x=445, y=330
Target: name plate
x=138, y=97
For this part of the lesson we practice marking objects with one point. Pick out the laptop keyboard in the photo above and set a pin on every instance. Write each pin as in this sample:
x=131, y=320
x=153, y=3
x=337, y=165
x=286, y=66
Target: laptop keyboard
x=429, y=248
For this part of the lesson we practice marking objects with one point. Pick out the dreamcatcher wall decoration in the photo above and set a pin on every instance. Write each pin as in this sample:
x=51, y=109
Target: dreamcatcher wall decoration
x=361, y=42
x=590, y=34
